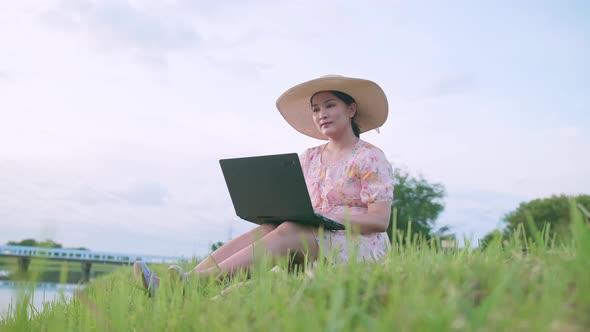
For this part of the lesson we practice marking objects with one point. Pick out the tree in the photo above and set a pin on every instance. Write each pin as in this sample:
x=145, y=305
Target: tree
x=486, y=240
x=552, y=212
x=49, y=244
x=33, y=243
x=216, y=246
x=419, y=201
x=25, y=242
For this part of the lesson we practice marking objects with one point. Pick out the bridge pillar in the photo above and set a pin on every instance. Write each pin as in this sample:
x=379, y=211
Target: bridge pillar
x=85, y=277
x=23, y=264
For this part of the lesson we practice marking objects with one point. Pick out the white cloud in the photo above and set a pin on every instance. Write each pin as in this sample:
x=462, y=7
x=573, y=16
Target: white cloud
x=450, y=85
x=134, y=25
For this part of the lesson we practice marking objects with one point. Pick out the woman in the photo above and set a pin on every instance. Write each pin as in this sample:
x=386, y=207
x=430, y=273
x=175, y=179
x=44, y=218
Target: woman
x=348, y=179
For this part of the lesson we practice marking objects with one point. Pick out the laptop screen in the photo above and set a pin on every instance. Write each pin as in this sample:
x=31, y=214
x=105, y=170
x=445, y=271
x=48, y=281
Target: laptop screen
x=269, y=188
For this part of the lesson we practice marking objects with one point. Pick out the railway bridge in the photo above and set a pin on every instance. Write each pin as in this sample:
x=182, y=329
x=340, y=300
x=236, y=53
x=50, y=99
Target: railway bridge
x=24, y=254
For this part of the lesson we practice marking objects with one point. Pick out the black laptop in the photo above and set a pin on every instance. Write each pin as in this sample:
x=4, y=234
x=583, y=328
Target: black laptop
x=271, y=189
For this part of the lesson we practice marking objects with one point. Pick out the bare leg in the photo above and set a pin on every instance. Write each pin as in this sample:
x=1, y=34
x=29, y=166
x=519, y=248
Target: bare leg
x=234, y=246
x=287, y=238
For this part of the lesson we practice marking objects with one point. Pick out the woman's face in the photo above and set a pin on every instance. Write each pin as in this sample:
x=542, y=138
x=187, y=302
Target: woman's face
x=331, y=116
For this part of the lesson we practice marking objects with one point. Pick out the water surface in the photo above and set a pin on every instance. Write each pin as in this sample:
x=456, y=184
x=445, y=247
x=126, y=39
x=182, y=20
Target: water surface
x=41, y=293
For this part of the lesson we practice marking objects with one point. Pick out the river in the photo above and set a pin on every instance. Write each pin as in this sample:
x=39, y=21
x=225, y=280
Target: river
x=42, y=292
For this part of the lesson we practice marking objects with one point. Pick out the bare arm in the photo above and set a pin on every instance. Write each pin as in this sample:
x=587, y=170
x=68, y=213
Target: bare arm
x=375, y=220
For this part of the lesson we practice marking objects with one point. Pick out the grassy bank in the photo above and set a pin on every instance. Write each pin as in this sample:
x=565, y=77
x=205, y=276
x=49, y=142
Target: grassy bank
x=45, y=270
x=520, y=285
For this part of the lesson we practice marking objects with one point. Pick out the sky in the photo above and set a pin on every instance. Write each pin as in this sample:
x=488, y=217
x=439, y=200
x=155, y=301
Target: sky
x=114, y=114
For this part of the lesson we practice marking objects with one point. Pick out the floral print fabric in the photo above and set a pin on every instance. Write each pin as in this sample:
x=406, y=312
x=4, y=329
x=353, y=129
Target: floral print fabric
x=347, y=187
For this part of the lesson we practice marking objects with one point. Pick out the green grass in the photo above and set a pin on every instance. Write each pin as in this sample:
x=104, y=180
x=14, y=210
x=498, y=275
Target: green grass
x=524, y=284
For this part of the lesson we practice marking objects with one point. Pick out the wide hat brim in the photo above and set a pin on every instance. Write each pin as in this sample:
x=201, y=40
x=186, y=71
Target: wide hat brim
x=372, y=107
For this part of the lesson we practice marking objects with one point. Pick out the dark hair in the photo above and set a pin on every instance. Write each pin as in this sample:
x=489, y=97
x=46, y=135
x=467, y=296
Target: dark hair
x=346, y=99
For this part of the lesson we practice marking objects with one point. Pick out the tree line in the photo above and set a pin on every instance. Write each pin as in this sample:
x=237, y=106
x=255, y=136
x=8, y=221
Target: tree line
x=48, y=243
x=550, y=216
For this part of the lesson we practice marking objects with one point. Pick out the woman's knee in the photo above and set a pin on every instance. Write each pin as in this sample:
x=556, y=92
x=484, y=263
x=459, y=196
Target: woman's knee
x=289, y=228
x=261, y=231
x=267, y=228
x=299, y=237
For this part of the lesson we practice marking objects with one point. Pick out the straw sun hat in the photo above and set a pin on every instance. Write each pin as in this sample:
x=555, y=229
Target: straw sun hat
x=294, y=104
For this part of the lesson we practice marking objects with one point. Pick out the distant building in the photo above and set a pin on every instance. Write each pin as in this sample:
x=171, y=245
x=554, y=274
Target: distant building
x=448, y=244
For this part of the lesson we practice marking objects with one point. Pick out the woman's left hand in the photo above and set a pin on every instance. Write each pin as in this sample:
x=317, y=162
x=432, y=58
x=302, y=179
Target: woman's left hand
x=375, y=220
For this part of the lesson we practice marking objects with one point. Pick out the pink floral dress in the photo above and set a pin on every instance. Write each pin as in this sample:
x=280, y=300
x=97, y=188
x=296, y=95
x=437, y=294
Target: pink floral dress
x=347, y=187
